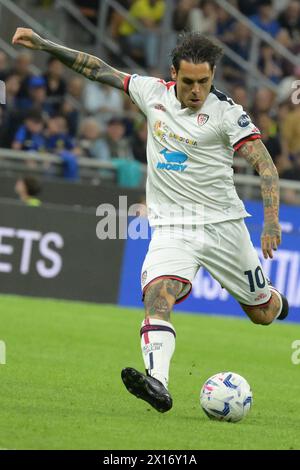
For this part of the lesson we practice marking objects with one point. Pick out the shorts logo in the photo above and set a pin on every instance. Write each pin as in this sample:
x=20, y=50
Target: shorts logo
x=202, y=119
x=160, y=107
x=260, y=297
x=144, y=277
x=244, y=120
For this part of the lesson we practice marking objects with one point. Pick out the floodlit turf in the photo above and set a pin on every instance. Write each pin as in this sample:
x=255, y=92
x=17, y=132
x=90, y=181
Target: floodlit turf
x=61, y=386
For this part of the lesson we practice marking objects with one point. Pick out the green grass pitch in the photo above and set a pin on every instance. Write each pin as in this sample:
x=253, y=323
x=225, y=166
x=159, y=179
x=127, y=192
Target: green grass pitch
x=61, y=386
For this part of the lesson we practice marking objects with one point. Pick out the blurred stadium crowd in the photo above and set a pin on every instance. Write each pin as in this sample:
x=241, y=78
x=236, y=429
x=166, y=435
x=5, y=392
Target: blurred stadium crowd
x=70, y=116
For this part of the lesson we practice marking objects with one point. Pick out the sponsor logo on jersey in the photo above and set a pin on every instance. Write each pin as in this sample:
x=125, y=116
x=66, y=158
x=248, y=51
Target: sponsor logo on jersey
x=174, y=160
x=202, y=119
x=160, y=107
x=162, y=132
x=244, y=120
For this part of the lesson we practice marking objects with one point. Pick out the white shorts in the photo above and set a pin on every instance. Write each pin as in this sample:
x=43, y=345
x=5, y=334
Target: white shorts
x=224, y=249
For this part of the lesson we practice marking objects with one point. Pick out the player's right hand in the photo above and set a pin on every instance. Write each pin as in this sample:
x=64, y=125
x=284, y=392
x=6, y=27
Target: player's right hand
x=28, y=38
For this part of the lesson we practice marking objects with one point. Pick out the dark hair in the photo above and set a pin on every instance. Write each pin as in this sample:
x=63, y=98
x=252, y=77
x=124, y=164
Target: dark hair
x=32, y=185
x=34, y=115
x=195, y=48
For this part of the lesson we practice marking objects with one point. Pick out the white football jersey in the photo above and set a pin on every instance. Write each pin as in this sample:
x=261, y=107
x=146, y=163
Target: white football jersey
x=190, y=154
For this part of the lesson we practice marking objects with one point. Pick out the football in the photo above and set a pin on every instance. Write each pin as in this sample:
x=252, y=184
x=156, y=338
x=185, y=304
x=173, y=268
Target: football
x=226, y=396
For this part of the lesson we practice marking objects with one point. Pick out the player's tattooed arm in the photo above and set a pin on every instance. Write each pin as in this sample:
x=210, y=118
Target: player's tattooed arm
x=258, y=156
x=88, y=65
x=160, y=298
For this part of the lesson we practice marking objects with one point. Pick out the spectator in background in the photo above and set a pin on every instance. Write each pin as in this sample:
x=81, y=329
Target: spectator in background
x=271, y=138
x=57, y=135
x=144, y=44
x=249, y=7
x=289, y=19
x=55, y=83
x=27, y=189
x=139, y=141
x=204, y=17
x=116, y=19
x=240, y=96
x=72, y=105
x=102, y=102
x=70, y=165
x=37, y=97
x=282, y=110
x=280, y=5
x=240, y=44
x=181, y=15
x=225, y=25
x=264, y=19
x=30, y=135
x=264, y=100
x=195, y=15
x=270, y=64
x=13, y=84
x=92, y=145
x=75, y=89
x=290, y=196
x=11, y=119
x=89, y=9
x=71, y=112
x=21, y=67
x=285, y=40
x=3, y=66
x=114, y=143
x=90, y=140
x=291, y=130
x=286, y=86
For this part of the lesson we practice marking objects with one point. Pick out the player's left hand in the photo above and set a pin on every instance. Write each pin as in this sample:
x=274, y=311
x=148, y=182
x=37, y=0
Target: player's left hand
x=270, y=238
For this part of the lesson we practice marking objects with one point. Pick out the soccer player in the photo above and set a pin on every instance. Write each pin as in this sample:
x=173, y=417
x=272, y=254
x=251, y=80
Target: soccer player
x=198, y=219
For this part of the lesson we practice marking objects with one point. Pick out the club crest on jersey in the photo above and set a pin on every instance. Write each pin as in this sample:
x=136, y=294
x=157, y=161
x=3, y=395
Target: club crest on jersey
x=160, y=107
x=174, y=160
x=202, y=119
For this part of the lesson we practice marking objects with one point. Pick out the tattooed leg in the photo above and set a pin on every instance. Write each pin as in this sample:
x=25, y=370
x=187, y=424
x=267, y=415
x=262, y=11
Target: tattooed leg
x=160, y=298
x=263, y=315
x=157, y=333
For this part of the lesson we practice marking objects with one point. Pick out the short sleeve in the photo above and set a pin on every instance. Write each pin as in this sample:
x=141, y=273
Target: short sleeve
x=238, y=127
x=141, y=90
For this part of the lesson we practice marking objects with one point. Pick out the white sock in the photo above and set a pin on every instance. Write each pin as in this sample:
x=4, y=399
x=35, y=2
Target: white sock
x=272, y=289
x=158, y=346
